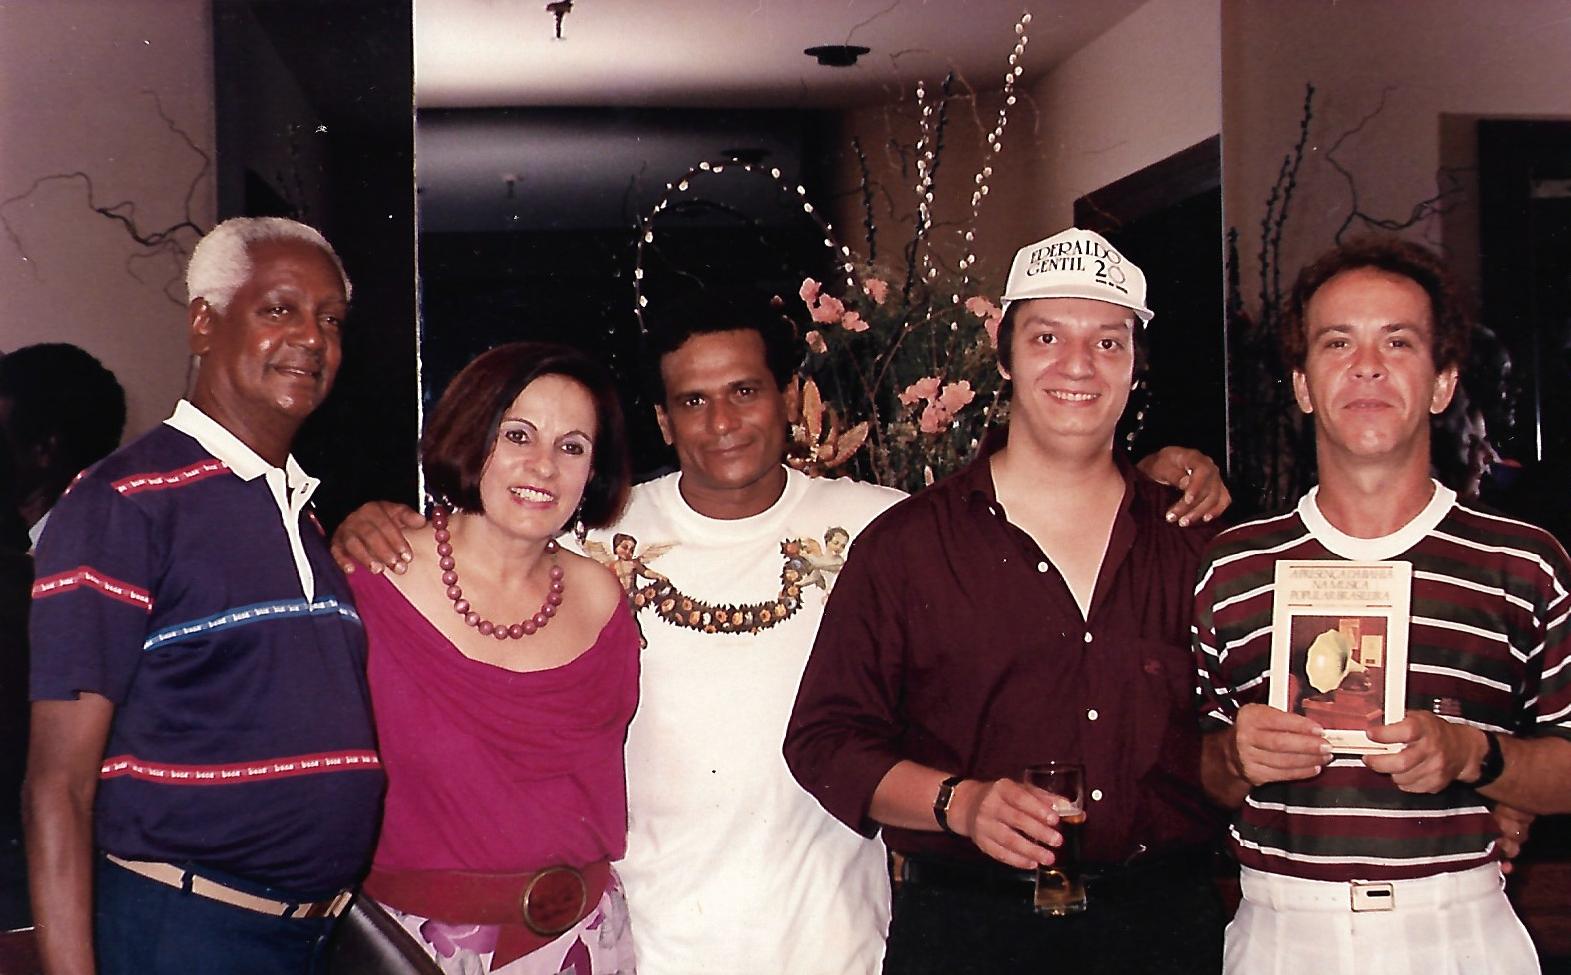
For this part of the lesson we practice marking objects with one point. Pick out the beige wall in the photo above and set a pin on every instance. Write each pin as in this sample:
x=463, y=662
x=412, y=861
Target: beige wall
x=1145, y=89
x=73, y=75
x=1431, y=59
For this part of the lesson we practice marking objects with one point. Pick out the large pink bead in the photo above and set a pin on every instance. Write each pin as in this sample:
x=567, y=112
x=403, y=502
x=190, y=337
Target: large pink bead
x=444, y=549
x=472, y=618
x=455, y=592
x=447, y=564
x=548, y=610
x=529, y=627
x=485, y=627
x=516, y=631
x=541, y=619
x=500, y=632
x=449, y=578
x=461, y=607
x=556, y=585
x=442, y=535
x=556, y=573
x=553, y=599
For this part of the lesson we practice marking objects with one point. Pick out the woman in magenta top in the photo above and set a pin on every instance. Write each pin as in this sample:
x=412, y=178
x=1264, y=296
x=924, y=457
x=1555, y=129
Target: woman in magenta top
x=504, y=672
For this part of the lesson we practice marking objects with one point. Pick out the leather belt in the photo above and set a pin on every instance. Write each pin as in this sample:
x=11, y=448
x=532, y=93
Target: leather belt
x=1284, y=893
x=531, y=909
x=989, y=876
x=179, y=877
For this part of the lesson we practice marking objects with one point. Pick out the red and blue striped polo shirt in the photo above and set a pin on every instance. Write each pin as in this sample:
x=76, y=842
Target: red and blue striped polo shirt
x=174, y=582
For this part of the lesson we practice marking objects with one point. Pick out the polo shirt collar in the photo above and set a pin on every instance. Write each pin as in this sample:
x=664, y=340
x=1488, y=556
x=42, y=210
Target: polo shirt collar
x=241, y=460
x=290, y=487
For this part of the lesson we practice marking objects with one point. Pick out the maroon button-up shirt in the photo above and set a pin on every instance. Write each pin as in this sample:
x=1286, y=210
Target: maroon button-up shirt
x=952, y=641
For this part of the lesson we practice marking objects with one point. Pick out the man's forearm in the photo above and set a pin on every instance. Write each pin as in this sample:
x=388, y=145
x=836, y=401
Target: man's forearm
x=59, y=828
x=1537, y=775
x=1223, y=780
x=904, y=797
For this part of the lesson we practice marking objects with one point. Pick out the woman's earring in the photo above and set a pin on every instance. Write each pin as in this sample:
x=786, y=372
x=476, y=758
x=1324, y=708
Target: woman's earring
x=580, y=530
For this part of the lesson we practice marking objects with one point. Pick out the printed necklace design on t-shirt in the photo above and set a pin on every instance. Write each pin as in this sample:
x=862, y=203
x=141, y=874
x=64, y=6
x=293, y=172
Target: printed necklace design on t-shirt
x=806, y=563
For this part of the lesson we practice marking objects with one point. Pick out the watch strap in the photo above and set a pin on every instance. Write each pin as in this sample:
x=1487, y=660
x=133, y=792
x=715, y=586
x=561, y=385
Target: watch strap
x=1492, y=764
x=946, y=793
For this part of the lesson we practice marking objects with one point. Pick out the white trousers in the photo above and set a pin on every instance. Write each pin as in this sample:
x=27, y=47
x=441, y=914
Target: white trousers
x=1449, y=924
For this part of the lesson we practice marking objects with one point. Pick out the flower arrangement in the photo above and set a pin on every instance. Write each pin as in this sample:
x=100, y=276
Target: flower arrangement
x=901, y=380
x=920, y=370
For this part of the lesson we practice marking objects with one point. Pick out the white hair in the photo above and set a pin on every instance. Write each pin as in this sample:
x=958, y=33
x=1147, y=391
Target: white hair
x=221, y=261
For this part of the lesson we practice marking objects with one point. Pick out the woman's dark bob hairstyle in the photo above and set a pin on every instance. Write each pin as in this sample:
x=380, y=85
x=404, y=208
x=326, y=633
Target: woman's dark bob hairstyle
x=462, y=429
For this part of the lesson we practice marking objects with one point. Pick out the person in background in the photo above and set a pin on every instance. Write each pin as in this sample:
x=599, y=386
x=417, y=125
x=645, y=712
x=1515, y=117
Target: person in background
x=504, y=671
x=61, y=412
x=203, y=785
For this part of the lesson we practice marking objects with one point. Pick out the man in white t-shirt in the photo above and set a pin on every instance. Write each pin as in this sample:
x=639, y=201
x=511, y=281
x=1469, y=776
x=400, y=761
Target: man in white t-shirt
x=731, y=866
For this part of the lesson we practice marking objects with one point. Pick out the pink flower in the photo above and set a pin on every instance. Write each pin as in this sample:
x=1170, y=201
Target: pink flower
x=815, y=341
x=827, y=310
x=955, y=396
x=853, y=322
x=923, y=389
x=992, y=316
x=877, y=289
x=934, y=418
x=809, y=291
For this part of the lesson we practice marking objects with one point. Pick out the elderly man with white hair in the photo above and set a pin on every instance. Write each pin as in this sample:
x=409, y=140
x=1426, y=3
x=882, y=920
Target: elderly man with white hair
x=203, y=781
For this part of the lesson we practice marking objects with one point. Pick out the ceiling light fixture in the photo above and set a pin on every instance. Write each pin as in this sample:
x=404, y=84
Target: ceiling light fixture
x=560, y=8
x=836, y=55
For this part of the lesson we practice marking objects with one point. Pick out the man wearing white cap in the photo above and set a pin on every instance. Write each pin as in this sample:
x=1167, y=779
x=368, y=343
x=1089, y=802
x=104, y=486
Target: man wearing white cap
x=1033, y=607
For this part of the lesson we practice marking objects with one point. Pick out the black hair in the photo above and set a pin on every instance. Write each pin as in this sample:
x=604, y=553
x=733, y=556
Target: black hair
x=59, y=392
x=692, y=309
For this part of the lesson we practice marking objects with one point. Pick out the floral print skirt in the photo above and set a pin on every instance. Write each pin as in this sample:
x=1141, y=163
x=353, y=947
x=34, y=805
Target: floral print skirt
x=600, y=944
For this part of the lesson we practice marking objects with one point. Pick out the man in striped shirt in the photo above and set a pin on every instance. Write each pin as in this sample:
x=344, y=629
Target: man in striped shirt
x=1386, y=862
x=203, y=784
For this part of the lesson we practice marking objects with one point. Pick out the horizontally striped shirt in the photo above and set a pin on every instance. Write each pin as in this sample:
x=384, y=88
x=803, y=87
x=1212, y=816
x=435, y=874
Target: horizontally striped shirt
x=184, y=579
x=1488, y=646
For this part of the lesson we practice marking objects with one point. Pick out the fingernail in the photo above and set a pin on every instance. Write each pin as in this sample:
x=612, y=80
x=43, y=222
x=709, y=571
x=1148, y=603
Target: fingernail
x=1171, y=517
x=407, y=556
x=1206, y=517
x=1183, y=522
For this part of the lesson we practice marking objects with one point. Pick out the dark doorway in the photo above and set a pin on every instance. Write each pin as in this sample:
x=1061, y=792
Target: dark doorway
x=1524, y=171
x=314, y=105
x=1168, y=219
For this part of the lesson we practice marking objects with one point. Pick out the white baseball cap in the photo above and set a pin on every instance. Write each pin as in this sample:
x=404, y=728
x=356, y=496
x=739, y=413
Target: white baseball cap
x=1077, y=263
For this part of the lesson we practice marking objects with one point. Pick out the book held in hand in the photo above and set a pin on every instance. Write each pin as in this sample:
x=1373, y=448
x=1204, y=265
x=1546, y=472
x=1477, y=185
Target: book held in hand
x=1339, y=646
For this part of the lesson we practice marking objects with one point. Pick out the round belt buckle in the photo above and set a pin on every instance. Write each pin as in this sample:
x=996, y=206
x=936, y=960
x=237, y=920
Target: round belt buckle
x=554, y=900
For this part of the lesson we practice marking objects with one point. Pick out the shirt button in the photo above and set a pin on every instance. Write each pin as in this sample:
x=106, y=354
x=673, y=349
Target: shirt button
x=1091, y=715
x=1096, y=795
x=1088, y=637
x=1041, y=567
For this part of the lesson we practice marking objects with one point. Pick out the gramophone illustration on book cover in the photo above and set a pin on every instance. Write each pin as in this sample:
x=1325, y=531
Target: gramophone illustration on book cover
x=1339, y=646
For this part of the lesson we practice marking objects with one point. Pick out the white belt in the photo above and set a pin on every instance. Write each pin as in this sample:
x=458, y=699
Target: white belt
x=1283, y=893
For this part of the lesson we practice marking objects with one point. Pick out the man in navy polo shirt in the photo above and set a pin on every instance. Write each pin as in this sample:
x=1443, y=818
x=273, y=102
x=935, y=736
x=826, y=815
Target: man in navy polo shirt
x=203, y=783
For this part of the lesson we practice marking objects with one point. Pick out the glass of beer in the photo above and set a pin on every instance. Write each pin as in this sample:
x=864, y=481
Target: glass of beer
x=1060, y=889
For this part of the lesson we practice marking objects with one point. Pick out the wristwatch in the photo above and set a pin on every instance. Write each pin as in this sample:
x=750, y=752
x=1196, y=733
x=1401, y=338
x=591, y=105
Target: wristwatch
x=1492, y=764
x=946, y=792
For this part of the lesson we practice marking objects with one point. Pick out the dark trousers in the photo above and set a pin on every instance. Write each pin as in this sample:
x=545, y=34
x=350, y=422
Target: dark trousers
x=143, y=927
x=1160, y=922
